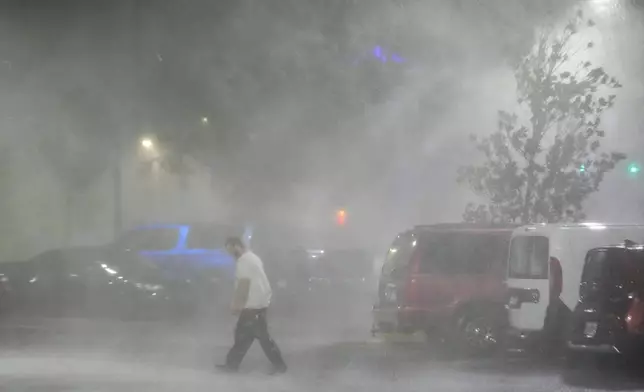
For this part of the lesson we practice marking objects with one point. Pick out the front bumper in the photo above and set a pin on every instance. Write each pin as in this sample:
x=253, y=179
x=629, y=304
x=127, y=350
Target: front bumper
x=609, y=335
x=615, y=342
x=522, y=340
x=594, y=348
x=397, y=319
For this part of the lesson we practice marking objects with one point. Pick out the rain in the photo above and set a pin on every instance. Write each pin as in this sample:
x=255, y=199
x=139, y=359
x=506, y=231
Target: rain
x=332, y=138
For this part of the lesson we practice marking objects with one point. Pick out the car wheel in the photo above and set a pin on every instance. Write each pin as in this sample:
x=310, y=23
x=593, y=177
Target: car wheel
x=478, y=334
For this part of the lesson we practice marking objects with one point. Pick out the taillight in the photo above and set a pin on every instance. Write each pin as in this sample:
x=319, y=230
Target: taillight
x=555, y=278
x=635, y=316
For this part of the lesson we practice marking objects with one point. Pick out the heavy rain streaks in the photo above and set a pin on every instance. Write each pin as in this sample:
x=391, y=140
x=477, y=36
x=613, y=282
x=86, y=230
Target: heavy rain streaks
x=137, y=136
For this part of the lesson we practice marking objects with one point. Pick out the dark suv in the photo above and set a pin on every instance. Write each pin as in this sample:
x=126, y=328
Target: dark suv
x=446, y=278
x=609, y=317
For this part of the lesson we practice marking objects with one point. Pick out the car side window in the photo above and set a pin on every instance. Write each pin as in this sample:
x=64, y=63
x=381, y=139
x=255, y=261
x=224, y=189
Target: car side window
x=490, y=252
x=441, y=253
x=463, y=252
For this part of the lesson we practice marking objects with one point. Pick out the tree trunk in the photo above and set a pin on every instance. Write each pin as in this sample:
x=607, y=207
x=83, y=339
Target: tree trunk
x=529, y=190
x=531, y=150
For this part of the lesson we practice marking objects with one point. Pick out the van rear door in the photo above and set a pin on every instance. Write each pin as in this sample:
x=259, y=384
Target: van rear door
x=528, y=283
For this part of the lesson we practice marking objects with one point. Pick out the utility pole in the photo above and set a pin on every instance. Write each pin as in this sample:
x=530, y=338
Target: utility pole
x=117, y=186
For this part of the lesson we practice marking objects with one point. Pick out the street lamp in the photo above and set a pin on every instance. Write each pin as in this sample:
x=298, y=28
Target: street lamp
x=204, y=120
x=147, y=143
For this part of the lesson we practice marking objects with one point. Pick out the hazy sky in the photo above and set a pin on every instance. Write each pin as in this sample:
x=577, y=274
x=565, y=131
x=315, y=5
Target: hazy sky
x=314, y=118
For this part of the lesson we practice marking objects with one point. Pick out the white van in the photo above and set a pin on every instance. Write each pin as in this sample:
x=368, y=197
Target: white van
x=549, y=258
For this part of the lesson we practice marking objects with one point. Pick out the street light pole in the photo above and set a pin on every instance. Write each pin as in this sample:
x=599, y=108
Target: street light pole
x=118, y=180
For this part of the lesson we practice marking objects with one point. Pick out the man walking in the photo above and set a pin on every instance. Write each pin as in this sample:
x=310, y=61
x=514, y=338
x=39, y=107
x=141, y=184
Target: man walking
x=251, y=300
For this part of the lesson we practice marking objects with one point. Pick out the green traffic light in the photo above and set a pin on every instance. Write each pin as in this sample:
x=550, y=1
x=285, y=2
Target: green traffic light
x=633, y=168
x=582, y=168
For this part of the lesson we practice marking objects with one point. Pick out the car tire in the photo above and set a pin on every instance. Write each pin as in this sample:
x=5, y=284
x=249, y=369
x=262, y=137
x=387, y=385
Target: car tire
x=478, y=333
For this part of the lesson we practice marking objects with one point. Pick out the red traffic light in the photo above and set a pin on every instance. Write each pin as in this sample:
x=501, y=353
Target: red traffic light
x=341, y=217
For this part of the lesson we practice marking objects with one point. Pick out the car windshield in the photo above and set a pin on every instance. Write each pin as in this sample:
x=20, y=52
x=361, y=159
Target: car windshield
x=399, y=254
x=615, y=268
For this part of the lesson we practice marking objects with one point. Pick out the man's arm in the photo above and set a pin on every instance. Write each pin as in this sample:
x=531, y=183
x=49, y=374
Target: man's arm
x=241, y=294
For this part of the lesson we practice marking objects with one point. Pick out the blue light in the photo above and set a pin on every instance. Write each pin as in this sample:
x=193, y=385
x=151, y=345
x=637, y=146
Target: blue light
x=180, y=253
x=380, y=54
x=397, y=59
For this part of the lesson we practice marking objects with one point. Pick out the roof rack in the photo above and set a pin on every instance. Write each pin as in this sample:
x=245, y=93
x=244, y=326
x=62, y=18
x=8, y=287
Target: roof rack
x=465, y=226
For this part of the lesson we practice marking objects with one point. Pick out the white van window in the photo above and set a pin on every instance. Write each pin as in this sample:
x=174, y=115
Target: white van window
x=529, y=257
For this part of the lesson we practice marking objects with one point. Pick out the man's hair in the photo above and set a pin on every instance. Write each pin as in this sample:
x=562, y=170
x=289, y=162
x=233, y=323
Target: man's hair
x=235, y=241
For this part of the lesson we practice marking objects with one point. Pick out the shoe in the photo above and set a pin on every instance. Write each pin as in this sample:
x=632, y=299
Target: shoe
x=225, y=368
x=277, y=369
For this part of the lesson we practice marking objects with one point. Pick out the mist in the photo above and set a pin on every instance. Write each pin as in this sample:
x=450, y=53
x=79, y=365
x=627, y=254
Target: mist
x=309, y=119
x=277, y=114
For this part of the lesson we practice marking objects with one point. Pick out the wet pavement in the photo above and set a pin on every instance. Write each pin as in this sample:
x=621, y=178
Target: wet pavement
x=324, y=353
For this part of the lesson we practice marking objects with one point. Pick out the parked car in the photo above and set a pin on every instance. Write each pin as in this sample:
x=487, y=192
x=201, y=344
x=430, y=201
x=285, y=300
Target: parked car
x=74, y=282
x=543, y=276
x=288, y=272
x=188, y=251
x=149, y=267
x=609, y=317
x=446, y=278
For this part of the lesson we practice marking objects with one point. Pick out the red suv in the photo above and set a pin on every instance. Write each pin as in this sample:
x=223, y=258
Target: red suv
x=446, y=278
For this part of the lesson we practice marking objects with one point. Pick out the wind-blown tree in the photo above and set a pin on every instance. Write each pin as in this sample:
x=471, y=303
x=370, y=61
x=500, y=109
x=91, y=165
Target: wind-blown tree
x=542, y=169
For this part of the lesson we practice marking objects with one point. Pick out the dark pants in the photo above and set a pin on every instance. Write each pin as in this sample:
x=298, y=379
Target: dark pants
x=250, y=326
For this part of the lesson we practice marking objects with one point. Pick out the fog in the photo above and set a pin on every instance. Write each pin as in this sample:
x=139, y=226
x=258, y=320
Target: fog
x=308, y=120
x=122, y=113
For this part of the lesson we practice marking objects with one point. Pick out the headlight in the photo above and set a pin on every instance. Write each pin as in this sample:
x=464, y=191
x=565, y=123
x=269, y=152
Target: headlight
x=149, y=287
x=109, y=270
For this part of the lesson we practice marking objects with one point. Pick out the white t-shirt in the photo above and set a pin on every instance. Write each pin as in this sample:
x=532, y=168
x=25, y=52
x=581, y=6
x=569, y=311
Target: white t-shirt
x=250, y=266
